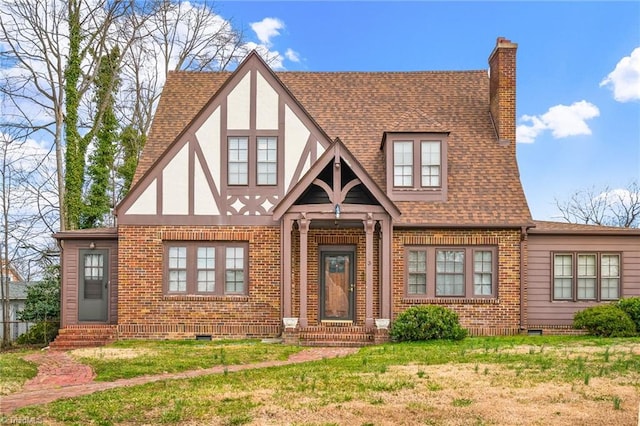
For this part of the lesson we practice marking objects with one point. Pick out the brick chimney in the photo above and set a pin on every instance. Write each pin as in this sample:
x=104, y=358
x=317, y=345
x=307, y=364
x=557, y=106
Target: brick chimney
x=502, y=89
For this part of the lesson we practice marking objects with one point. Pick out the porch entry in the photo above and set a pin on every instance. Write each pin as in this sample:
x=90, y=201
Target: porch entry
x=93, y=286
x=337, y=284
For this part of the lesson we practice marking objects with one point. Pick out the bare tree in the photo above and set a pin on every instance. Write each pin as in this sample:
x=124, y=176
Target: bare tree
x=606, y=206
x=175, y=36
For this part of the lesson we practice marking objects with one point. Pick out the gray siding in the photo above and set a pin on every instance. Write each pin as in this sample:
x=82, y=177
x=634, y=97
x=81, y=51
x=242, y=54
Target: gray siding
x=541, y=310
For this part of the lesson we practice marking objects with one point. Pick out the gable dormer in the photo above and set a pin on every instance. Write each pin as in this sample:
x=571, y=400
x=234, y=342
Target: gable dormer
x=236, y=159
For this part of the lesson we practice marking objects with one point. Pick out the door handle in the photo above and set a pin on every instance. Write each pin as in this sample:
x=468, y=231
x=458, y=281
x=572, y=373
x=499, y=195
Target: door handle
x=351, y=287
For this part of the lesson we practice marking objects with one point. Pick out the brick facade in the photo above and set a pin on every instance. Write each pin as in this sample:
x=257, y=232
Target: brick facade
x=144, y=311
x=486, y=316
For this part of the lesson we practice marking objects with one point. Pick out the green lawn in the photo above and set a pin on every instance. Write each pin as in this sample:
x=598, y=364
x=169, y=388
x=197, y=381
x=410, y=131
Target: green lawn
x=511, y=380
x=126, y=359
x=14, y=371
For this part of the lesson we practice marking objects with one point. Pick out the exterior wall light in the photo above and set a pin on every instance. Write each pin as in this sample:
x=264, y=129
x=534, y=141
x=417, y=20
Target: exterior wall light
x=337, y=210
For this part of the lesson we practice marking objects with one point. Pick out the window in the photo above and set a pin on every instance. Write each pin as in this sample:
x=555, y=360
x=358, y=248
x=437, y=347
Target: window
x=417, y=272
x=267, y=161
x=483, y=272
x=238, y=161
x=252, y=161
x=206, y=268
x=416, y=166
x=610, y=276
x=234, y=270
x=451, y=272
x=430, y=161
x=178, y=269
x=403, y=163
x=586, y=276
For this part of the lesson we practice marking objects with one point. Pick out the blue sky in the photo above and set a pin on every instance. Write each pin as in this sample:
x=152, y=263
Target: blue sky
x=579, y=124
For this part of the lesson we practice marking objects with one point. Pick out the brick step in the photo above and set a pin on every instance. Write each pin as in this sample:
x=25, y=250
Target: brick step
x=83, y=337
x=335, y=343
x=334, y=336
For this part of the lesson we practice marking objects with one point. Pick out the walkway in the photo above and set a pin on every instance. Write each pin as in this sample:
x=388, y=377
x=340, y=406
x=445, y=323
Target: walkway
x=60, y=376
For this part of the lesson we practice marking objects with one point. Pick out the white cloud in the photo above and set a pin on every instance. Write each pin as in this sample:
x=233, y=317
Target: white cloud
x=292, y=55
x=624, y=80
x=562, y=120
x=266, y=29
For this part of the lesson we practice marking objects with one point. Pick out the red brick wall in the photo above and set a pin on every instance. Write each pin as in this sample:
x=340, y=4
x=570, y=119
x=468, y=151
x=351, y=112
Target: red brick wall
x=496, y=316
x=145, y=312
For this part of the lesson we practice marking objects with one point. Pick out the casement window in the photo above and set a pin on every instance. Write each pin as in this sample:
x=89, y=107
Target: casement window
x=252, y=161
x=586, y=276
x=451, y=271
x=206, y=268
x=416, y=166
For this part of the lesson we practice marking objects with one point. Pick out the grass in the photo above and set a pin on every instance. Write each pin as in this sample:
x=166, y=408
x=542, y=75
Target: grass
x=126, y=359
x=412, y=383
x=14, y=371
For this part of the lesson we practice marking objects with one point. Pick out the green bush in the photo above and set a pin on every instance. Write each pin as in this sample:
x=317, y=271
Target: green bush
x=605, y=321
x=41, y=333
x=631, y=305
x=427, y=323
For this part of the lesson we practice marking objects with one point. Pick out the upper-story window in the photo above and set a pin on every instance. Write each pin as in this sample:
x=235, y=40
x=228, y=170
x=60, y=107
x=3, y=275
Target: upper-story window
x=238, y=161
x=416, y=166
x=267, y=162
x=252, y=161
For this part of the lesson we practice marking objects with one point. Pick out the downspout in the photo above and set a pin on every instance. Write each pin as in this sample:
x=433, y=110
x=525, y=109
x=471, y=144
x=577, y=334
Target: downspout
x=523, y=278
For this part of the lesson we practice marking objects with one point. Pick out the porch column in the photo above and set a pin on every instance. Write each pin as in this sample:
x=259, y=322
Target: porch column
x=286, y=267
x=386, y=229
x=369, y=226
x=303, y=227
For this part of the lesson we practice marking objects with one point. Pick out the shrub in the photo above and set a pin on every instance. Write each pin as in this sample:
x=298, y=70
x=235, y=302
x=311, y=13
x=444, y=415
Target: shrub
x=605, y=320
x=41, y=333
x=631, y=306
x=427, y=323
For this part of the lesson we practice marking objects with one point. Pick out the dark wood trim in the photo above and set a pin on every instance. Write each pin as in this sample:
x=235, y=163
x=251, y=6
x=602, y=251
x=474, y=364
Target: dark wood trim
x=191, y=267
x=468, y=271
x=417, y=192
x=574, y=278
x=336, y=153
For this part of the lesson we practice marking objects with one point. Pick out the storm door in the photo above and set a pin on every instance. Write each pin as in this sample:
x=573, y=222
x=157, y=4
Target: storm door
x=337, y=285
x=93, y=286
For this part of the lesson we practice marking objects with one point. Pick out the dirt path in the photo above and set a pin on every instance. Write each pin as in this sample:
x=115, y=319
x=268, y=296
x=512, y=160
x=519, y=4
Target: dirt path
x=60, y=376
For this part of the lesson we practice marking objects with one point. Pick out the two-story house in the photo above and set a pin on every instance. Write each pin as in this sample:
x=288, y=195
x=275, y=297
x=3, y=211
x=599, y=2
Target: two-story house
x=318, y=206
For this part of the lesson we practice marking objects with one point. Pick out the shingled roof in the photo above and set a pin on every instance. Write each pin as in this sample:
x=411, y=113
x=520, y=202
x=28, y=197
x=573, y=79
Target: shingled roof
x=359, y=107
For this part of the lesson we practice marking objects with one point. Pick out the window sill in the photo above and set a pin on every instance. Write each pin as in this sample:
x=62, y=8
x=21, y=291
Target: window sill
x=418, y=194
x=452, y=300
x=204, y=298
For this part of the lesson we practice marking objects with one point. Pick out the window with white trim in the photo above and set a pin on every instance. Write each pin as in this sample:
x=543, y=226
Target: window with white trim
x=586, y=276
x=206, y=268
x=430, y=163
x=451, y=271
x=403, y=163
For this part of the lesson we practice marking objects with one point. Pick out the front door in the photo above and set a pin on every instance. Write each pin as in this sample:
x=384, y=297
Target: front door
x=93, y=288
x=337, y=285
